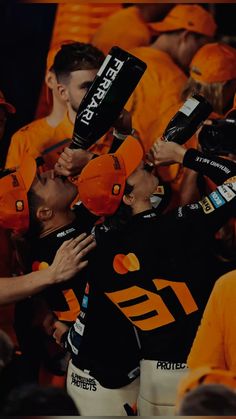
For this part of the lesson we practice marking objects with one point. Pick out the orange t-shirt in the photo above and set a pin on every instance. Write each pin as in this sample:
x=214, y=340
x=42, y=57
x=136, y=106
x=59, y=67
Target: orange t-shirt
x=76, y=22
x=215, y=341
x=34, y=138
x=37, y=136
x=158, y=90
x=125, y=28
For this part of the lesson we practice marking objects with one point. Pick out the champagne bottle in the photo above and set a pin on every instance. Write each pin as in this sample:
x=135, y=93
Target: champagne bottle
x=114, y=83
x=186, y=121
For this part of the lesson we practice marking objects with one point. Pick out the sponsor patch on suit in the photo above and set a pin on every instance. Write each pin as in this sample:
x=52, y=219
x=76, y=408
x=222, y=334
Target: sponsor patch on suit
x=206, y=205
x=216, y=199
x=226, y=192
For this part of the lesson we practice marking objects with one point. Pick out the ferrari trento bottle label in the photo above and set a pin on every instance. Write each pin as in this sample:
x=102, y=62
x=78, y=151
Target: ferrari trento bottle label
x=189, y=106
x=111, y=73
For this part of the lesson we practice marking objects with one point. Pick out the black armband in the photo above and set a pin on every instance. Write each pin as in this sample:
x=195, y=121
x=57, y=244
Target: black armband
x=216, y=168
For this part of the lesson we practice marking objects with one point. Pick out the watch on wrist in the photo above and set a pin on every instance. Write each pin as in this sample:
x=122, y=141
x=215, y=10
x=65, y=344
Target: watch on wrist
x=121, y=136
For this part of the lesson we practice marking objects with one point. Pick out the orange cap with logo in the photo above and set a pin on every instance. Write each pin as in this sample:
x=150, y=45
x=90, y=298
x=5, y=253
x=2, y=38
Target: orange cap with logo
x=102, y=181
x=214, y=63
x=14, y=210
x=9, y=108
x=192, y=17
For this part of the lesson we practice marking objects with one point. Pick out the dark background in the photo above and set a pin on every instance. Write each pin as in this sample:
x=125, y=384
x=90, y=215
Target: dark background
x=25, y=32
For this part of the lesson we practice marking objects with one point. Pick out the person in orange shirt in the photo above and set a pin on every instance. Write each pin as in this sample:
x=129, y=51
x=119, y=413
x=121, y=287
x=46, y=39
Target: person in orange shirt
x=46, y=132
x=215, y=341
x=217, y=83
x=73, y=82
x=33, y=137
x=179, y=35
x=78, y=22
x=128, y=28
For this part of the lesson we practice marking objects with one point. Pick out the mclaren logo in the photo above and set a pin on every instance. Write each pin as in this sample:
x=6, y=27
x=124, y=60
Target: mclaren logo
x=116, y=189
x=19, y=205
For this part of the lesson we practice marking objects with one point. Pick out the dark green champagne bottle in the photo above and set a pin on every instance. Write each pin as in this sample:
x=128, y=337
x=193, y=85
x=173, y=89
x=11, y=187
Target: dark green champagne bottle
x=186, y=121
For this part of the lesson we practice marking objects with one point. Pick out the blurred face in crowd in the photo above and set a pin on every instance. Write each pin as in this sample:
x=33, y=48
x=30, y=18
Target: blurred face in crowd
x=144, y=183
x=189, y=43
x=3, y=118
x=77, y=85
x=55, y=192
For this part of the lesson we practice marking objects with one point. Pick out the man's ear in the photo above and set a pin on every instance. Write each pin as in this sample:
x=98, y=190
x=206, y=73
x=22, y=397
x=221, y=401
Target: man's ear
x=128, y=199
x=63, y=92
x=184, y=35
x=50, y=79
x=44, y=214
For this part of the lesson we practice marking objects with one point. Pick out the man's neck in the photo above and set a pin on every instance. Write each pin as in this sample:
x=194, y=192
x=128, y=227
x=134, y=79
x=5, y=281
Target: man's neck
x=163, y=43
x=59, y=221
x=71, y=115
x=141, y=207
x=57, y=113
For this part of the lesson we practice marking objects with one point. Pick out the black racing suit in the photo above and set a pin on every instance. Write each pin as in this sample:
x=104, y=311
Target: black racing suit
x=157, y=274
x=64, y=299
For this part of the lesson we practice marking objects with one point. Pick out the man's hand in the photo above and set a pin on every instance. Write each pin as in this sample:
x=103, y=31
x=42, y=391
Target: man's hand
x=123, y=124
x=71, y=162
x=69, y=258
x=59, y=330
x=48, y=323
x=165, y=153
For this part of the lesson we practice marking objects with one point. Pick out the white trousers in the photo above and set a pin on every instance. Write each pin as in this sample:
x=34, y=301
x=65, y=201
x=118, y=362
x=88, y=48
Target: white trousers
x=94, y=400
x=158, y=387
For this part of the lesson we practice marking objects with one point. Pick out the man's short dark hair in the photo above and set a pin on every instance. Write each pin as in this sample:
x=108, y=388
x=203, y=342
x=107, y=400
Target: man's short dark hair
x=76, y=56
x=209, y=400
x=32, y=399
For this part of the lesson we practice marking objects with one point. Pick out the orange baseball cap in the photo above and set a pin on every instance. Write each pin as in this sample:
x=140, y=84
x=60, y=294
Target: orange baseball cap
x=101, y=183
x=193, y=18
x=10, y=108
x=14, y=210
x=214, y=63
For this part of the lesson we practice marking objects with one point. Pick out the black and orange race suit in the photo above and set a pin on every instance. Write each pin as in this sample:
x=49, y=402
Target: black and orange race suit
x=156, y=276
